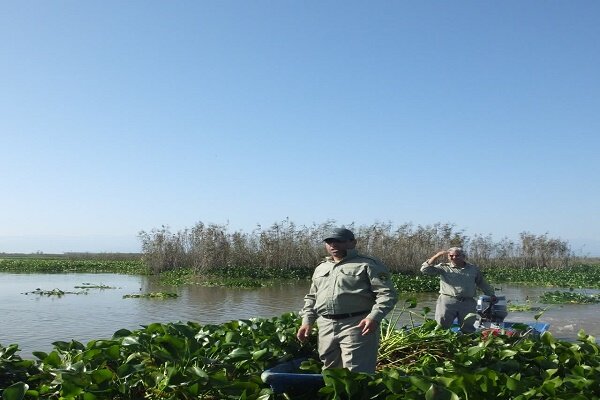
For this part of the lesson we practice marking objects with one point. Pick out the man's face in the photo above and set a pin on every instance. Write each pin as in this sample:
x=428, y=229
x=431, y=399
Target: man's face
x=338, y=248
x=456, y=258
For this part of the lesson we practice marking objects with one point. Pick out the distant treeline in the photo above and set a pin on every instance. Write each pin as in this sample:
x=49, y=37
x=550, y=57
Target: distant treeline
x=211, y=248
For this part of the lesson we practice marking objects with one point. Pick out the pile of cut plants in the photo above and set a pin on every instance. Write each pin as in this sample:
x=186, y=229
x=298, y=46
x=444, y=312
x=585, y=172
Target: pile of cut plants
x=192, y=361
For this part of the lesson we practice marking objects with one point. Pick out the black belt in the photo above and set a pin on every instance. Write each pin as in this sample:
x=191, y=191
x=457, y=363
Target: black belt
x=459, y=298
x=344, y=316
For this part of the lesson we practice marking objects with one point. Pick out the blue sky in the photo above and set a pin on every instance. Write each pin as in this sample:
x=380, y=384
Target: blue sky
x=117, y=117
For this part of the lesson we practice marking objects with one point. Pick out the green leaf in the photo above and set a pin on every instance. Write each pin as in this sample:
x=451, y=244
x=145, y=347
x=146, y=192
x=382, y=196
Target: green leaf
x=40, y=354
x=121, y=333
x=199, y=372
x=32, y=394
x=548, y=339
x=436, y=392
x=412, y=302
x=70, y=390
x=15, y=391
x=102, y=375
x=513, y=384
x=53, y=359
x=257, y=355
x=239, y=353
x=419, y=382
x=474, y=350
x=551, y=372
x=507, y=354
x=130, y=340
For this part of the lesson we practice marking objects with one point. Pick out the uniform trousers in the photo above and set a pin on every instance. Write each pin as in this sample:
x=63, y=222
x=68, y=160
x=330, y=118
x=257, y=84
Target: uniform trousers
x=449, y=308
x=342, y=345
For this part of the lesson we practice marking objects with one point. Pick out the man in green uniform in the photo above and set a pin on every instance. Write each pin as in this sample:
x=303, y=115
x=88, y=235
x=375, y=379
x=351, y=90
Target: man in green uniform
x=349, y=296
x=458, y=285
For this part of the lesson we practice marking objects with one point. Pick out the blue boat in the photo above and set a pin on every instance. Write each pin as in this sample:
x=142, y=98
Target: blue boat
x=285, y=378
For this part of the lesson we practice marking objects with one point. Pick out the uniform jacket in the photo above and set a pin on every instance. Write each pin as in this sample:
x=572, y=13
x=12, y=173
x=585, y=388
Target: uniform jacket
x=356, y=283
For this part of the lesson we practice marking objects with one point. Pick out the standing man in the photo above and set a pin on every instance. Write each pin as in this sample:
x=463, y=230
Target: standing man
x=349, y=296
x=458, y=285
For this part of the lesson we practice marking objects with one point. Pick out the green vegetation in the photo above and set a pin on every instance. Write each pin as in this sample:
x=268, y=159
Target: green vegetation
x=210, y=255
x=409, y=283
x=191, y=361
x=562, y=297
x=178, y=277
x=576, y=276
x=262, y=277
x=512, y=307
x=176, y=361
x=186, y=276
x=242, y=283
x=61, y=265
x=151, y=295
x=74, y=256
x=437, y=364
x=94, y=286
x=53, y=292
x=579, y=276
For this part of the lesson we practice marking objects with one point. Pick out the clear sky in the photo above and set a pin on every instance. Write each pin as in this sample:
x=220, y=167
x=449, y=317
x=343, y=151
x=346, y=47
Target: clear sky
x=122, y=116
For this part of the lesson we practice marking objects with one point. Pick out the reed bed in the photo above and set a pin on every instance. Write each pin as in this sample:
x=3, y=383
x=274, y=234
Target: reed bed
x=285, y=249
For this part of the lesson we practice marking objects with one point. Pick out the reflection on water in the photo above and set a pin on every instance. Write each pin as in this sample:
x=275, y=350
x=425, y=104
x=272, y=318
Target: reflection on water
x=34, y=321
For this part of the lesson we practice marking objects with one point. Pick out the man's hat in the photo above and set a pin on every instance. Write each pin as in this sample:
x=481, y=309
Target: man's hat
x=342, y=234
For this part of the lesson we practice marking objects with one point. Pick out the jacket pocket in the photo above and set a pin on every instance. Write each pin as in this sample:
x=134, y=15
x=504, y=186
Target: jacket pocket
x=353, y=277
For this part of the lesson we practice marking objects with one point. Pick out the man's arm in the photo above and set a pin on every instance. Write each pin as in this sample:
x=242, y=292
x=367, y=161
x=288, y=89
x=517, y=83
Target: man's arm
x=428, y=266
x=485, y=287
x=308, y=313
x=386, y=295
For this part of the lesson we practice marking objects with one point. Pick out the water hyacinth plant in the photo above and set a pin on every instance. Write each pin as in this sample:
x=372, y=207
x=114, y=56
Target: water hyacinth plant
x=40, y=264
x=191, y=361
x=570, y=297
x=151, y=295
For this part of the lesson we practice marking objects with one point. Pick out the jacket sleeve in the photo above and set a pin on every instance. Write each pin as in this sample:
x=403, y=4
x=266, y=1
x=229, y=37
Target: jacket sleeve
x=429, y=269
x=308, y=312
x=485, y=287
x=386, y=295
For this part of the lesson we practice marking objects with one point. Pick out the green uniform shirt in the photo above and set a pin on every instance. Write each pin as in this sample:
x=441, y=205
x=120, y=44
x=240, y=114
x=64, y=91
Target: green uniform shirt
x=458, y=282
x=356, y=283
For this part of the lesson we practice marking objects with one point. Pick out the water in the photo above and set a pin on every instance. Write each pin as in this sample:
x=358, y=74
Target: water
x=34, y=322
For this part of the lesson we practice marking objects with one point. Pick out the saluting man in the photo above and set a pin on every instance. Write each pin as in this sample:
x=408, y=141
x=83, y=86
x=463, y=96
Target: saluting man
x=349, y=296
x=459, y=281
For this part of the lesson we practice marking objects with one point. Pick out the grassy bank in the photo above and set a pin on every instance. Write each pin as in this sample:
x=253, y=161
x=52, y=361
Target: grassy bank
x=573, y=276
x=42, y=264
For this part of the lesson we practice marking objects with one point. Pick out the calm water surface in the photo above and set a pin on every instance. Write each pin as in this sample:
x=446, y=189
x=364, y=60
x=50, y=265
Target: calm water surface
x=34, y=321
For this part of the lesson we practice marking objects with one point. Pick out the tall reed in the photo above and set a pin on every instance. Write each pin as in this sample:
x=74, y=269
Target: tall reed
x=284, y=246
